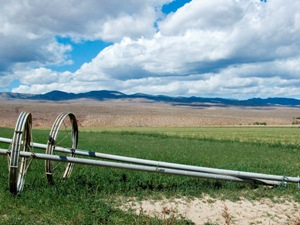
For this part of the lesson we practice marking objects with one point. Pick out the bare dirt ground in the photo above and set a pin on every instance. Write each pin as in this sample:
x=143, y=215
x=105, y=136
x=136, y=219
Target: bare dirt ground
x=136, y=113
x=128, y=113
x=206, y=210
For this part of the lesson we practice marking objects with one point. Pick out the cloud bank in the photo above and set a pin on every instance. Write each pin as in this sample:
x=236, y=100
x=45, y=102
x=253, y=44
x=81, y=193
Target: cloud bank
x=216, y=48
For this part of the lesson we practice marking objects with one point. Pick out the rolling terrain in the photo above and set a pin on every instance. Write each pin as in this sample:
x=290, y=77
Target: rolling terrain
x=146, y=113
x=179, y=100
x=115, y=109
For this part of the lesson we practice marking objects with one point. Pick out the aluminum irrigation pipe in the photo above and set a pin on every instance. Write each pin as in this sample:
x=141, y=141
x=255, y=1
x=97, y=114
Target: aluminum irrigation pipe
x=235, y=173
x=141, y=168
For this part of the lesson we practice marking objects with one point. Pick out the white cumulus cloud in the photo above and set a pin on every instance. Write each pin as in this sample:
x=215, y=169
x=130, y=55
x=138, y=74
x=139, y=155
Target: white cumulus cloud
x=227, y=48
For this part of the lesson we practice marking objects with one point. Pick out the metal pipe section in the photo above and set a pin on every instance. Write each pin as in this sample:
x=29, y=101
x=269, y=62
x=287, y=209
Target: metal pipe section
x=141, y=168
x=235, y=173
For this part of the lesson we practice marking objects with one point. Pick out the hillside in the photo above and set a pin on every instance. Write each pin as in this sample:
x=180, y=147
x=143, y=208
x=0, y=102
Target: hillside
x=189, y=101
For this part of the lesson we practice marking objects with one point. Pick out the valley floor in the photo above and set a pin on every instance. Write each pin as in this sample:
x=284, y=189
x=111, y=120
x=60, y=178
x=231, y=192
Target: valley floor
x=141, y=113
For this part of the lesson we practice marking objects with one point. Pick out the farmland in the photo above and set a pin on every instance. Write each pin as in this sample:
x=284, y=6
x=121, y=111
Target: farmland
x=95, y=195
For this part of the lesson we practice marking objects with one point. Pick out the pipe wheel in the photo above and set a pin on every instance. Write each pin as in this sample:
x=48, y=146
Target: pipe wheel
x=64, y=133
x=20, y=142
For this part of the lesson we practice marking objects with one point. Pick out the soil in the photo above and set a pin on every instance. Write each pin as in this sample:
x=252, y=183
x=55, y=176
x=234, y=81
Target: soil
x=206, y=210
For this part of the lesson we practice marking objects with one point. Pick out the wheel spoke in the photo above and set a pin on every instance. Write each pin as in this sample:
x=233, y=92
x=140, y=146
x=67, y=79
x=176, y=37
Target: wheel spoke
x=64, y=138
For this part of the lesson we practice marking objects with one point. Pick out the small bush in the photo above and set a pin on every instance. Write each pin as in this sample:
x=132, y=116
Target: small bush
x=260, y=123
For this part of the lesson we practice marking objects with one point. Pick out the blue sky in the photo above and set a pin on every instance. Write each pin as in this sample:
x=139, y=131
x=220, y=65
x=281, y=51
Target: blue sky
x=85, y=51
x=81, y=52
x=209, y=48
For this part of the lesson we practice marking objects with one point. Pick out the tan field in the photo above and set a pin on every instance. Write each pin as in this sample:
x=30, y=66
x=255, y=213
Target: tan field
x=139, y=113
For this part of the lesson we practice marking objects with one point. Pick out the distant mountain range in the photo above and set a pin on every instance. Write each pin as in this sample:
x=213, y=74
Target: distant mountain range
x=191, y=101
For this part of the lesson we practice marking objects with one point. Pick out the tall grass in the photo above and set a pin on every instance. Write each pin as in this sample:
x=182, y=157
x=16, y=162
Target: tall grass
x=90, y=194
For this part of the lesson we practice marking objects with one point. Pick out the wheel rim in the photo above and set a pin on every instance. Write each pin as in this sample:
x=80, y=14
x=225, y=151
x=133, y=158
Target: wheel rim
x=20, y=142
x=64, y=133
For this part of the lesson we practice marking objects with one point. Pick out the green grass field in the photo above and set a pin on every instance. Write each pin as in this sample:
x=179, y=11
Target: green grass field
x=257, y=134
x=90, y=194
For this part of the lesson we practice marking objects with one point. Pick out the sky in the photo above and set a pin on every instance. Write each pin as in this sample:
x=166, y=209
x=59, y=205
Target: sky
x=236, y=49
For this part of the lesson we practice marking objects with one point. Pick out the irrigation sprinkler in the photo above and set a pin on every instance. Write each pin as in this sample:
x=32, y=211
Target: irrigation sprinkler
x=61, y=149
x=69, y=159
x=234, y=173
